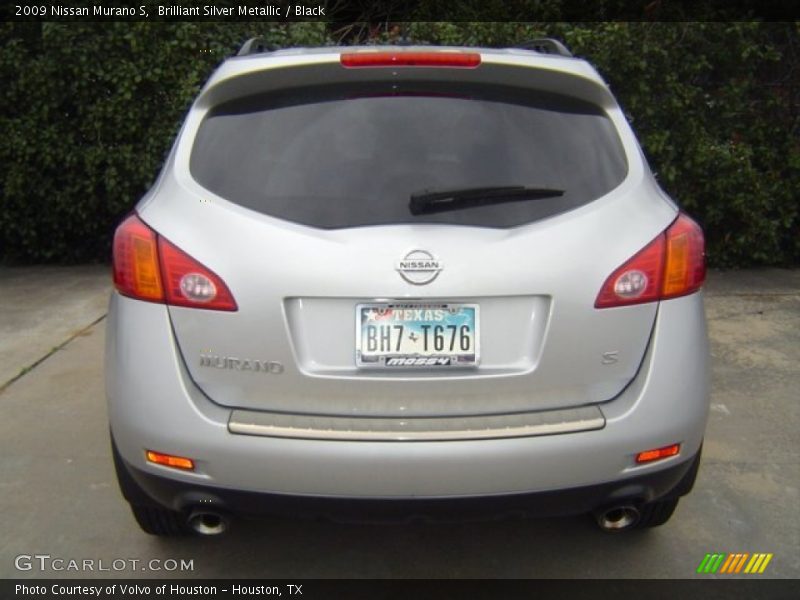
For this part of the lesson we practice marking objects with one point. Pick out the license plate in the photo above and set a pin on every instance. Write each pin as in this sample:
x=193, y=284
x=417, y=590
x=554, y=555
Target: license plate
x=416, y=336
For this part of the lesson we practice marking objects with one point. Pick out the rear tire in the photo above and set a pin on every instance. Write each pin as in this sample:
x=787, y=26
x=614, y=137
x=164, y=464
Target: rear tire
x=654, y=514
x=151, y=518
x=658, y=512
x=159, y=521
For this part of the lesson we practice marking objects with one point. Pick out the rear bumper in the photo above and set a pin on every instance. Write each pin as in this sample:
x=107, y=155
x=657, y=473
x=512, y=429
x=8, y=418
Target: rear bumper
x=184, y=497
x=153, y=404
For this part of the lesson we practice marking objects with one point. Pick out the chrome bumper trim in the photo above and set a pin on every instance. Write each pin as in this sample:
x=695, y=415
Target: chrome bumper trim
x=269, y=424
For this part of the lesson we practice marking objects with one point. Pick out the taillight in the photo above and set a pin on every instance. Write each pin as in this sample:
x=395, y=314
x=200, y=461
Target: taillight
x=148, y=267
x=463, y=60
x=672, y=265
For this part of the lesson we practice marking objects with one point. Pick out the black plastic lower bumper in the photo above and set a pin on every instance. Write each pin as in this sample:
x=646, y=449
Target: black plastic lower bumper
x=143, y=488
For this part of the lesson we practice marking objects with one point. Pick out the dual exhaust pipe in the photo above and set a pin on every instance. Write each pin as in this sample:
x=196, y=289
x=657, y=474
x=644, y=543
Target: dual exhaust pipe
x=617, y=518
x=611, y=519
x=208, y=523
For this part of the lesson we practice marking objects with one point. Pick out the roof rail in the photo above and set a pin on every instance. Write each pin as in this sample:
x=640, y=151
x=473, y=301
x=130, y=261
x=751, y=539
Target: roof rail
x=546, y=46
x=256, y=45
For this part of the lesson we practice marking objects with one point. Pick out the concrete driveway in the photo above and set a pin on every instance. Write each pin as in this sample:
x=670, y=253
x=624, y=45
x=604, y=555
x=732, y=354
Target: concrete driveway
x=58, y=494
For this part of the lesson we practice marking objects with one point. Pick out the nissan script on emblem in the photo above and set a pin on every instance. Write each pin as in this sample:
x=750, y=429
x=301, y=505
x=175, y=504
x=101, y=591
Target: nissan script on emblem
x=419, y=267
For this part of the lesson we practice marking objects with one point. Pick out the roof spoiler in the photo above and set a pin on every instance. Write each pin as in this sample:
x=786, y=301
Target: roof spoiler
x=546, y=46
x=258, y=45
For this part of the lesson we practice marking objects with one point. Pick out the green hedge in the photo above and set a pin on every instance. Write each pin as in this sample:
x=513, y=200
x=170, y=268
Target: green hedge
x=88, y=112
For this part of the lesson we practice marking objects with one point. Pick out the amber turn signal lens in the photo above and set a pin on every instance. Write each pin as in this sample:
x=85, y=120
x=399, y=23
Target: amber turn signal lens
x=136, y=271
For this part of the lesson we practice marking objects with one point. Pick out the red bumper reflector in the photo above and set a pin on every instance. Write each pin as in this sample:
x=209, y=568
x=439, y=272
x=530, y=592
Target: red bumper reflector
x=459, y=60
x=177, y=462
x=658, y=453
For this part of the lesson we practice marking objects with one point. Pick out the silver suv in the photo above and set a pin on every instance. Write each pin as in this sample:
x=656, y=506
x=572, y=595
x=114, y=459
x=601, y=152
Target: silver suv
x=391, y=282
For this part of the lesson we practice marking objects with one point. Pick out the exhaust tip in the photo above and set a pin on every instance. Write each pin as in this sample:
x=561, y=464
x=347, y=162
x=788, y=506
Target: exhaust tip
x=618, y=518
x=208, y=523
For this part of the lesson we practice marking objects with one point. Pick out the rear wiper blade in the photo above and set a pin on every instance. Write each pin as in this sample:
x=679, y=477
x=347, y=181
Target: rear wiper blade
x=433, y=201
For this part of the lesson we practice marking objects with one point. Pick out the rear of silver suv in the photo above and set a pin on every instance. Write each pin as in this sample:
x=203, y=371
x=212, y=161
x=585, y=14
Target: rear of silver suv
x=386, y=282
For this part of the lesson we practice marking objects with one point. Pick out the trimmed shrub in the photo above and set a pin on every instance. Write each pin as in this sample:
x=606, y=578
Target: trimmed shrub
x=716, y=107
x=88, y=112
x=88, y=116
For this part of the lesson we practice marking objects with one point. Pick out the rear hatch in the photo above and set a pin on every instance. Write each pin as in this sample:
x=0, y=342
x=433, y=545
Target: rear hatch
x=409, y=241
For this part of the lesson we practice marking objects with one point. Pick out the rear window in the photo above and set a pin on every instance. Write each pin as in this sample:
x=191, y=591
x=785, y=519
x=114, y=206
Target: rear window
x=333, y=157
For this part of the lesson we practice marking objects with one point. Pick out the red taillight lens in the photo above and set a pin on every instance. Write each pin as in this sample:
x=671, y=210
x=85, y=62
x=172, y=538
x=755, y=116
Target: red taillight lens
x=462, y=60
x=638, y=280
x=148, y=267
x=188, y=283
x=672, y=265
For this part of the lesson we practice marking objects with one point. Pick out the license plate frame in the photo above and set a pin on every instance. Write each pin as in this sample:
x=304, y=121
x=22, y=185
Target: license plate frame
x=411, y=353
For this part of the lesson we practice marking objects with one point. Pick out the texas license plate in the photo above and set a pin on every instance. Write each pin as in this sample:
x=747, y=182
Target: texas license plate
x=416, y=335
